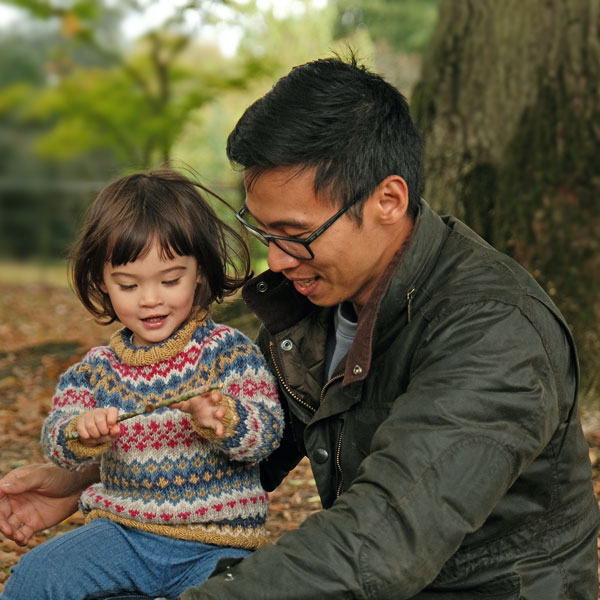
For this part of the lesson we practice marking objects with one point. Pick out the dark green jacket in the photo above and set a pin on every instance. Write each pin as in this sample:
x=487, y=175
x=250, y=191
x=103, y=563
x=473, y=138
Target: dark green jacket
x=447, y=450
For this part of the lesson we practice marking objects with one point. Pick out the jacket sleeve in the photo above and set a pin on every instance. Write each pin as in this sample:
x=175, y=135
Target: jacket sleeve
x=253, y=420
x=74, y=395
x=275, y=467
x=481, y=404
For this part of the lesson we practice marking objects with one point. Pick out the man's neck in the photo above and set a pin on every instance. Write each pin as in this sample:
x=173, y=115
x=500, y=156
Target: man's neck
x=398, y=245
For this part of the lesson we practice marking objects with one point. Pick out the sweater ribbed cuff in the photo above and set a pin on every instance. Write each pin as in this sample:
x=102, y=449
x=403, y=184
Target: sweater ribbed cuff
x=79, y=449
x=229, y=421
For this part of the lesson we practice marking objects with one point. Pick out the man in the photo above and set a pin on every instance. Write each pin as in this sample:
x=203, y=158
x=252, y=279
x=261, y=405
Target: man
x=429, y=379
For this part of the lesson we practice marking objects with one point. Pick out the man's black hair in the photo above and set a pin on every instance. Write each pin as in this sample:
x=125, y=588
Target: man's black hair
x=337, y=117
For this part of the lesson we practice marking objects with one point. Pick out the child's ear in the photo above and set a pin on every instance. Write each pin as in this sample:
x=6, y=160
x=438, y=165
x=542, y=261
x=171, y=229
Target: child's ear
x=103, y=288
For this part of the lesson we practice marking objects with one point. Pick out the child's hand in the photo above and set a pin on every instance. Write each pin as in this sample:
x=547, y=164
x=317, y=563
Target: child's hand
x=206, y=410
x=98, y=426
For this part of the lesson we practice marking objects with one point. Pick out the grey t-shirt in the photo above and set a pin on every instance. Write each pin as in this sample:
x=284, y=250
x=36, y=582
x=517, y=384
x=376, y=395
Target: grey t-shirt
x=340, y=339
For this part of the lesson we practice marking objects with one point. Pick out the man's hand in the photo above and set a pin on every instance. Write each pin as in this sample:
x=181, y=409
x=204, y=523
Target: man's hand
x=206, y=410
x=98, y=426
x=35, y=497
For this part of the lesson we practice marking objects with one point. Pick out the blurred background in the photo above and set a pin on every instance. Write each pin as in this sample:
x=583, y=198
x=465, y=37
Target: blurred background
x=506, y=94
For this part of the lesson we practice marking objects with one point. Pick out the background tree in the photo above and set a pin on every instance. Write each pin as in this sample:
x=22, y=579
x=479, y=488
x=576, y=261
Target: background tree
x=399, y=30
x=509, y=104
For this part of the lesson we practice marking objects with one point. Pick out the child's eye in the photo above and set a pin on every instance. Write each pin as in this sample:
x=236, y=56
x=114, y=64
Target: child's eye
x=171, y=282
x=127, y=288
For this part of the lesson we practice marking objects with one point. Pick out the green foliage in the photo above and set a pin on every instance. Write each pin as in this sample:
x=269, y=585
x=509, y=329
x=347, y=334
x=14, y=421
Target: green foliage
x=41, y=201
x=136, y=110
x=405, y=24
x=284, y=41
x=20, y=60
x=137, y=101
x=13, y=96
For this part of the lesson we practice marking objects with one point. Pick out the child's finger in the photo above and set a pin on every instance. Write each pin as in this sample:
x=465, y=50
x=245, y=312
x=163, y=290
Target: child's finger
x=215, y=397
x=101, y=424
x=87, y=429
x=112, y=414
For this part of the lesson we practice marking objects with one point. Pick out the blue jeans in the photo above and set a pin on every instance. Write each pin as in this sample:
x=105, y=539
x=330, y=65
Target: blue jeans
x=103, y=559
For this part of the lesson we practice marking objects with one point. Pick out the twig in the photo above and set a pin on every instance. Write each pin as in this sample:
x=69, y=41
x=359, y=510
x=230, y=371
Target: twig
x=148, y=408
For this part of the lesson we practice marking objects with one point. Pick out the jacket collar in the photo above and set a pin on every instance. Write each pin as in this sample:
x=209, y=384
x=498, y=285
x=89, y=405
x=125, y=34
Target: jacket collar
x=277, y=304
x=274, y=300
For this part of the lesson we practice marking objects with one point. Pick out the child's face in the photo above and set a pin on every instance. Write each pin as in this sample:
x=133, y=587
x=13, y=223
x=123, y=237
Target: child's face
x=152, y=296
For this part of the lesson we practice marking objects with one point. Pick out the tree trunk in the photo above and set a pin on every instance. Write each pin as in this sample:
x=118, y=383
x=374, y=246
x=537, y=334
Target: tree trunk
x=509, y=104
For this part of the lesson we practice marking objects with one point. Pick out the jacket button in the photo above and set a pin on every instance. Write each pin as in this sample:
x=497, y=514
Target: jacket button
x=262, y=286
x=320, y=455
x=287, y=345
x=357, y=370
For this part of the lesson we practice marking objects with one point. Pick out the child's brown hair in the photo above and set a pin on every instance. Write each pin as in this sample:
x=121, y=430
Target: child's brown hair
x=159, y=205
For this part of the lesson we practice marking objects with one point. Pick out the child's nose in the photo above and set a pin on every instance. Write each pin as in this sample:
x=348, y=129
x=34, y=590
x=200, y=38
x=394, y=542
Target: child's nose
x=150, y=296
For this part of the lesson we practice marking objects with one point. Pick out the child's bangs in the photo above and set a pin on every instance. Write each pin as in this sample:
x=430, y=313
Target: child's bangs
x=132, y=241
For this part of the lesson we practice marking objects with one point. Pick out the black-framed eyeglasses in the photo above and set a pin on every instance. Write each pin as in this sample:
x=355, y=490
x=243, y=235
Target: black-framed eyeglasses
x=294, y=246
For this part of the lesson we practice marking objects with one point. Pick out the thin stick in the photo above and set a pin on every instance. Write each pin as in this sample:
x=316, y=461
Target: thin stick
x=148, y=408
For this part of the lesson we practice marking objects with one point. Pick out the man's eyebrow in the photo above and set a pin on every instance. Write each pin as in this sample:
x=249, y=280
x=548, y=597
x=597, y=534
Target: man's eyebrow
x=291, y=223
x=282, y=223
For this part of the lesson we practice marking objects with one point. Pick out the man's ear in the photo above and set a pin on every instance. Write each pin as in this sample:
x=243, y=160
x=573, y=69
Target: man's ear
x=392, y=199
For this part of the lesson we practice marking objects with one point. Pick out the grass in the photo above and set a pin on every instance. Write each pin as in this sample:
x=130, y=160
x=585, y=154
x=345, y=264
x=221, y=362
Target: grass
x=26, y=273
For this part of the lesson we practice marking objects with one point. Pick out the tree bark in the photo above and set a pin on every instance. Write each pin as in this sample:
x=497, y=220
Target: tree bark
x=509, y=104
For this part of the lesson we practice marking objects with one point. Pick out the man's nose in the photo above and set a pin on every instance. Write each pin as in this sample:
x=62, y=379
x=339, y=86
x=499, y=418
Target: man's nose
x=278, y=260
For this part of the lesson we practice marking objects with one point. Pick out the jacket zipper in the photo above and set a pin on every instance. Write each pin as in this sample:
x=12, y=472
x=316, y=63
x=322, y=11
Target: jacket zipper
x=284, y=384
x=409, y=298
x=340, y=376
x=309, y=407
x=338, y=451
x=339, y=464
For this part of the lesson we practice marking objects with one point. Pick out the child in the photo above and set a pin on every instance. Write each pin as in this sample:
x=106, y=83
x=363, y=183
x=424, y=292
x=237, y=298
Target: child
x=180, y=488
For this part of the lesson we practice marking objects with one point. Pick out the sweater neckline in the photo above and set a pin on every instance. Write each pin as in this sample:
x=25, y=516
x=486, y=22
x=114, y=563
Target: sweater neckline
x=140, y=356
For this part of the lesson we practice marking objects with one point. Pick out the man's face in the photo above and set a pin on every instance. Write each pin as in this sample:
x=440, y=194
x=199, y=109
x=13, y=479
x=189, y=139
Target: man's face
x=348, y=257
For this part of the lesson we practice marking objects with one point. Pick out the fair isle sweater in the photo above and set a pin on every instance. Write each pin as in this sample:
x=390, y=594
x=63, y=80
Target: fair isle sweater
x=163, y=473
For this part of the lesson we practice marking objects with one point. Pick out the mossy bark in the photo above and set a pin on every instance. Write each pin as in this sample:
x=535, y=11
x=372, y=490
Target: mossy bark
x=509, y=104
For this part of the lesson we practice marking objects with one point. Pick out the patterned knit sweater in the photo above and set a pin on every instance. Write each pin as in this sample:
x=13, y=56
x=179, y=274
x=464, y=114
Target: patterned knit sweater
x=164, y=473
